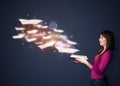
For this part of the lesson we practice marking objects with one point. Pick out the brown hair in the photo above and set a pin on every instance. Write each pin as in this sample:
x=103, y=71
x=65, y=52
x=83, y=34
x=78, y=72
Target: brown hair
x=110, y=40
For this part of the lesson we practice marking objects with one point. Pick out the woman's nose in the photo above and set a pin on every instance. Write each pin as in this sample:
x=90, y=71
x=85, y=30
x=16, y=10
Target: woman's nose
x=99, y=39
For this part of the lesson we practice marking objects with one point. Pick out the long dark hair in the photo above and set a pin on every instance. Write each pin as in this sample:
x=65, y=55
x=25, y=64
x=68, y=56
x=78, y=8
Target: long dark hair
x=110, y=40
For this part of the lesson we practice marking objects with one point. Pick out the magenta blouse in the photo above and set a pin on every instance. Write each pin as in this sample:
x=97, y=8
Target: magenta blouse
x=100, y=65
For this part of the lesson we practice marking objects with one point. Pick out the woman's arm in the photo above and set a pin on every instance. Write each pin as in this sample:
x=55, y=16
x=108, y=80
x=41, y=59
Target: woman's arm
x=84, y=61
x=90, y=65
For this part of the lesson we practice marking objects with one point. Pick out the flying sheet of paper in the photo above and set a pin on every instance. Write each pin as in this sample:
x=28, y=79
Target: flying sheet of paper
x=44, y=36
x=78, y=56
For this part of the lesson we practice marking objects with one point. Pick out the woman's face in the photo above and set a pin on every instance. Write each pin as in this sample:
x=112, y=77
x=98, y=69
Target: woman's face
x=102, y=40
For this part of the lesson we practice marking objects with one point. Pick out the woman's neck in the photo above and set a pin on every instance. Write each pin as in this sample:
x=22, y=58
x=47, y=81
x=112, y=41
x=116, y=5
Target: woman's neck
x=104, y=49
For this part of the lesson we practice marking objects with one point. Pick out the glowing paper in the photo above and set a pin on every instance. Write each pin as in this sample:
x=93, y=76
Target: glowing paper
x=32, y=21
x=34, y=31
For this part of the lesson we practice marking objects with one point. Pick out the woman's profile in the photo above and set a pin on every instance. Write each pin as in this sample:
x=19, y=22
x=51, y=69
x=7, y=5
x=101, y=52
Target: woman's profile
x=101, y=60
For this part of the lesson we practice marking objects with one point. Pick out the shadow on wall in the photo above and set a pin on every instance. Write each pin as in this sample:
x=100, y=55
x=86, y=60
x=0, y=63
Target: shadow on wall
x=113, y=70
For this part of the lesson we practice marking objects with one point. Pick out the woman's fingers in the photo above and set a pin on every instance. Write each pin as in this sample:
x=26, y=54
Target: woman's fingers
x=75, y=60
x=82, y=60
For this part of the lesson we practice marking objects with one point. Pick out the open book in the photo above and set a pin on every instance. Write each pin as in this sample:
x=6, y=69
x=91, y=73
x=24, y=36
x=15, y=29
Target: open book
x=78, y=56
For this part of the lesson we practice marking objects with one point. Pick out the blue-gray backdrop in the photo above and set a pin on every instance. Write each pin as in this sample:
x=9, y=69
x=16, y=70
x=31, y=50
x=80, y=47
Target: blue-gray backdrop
x=24, y=64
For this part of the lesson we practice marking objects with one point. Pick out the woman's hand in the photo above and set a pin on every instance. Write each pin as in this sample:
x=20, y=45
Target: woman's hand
x=76, y=61
x=82, y=60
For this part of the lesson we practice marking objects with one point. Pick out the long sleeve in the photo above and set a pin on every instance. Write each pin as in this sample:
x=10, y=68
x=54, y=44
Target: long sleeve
x=105, y=61
x=99, y=66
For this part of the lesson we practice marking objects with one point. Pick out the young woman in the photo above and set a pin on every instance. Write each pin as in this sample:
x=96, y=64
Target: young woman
x=101, y=60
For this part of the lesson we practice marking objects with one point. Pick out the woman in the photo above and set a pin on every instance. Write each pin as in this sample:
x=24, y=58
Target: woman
x=102, y=59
